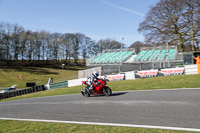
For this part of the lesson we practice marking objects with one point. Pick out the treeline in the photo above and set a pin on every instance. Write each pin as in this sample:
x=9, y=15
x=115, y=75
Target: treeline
x=173, y=21
x=16, y=43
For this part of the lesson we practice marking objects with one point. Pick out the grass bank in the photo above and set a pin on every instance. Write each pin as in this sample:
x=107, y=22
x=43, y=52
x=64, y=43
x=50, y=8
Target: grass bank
x=170, y=82
x=9, y=76
x=8, y=126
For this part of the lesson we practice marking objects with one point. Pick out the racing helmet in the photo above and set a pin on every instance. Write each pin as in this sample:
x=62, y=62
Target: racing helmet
x=96, y=74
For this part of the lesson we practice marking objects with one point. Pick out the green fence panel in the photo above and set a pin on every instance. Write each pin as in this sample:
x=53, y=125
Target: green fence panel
x=62, y=84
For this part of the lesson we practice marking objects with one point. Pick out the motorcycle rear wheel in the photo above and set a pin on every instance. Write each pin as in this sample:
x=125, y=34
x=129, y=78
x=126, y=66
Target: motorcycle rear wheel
x=85, y=93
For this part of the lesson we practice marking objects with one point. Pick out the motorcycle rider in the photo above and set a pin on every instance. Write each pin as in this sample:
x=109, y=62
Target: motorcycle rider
x=92, y=79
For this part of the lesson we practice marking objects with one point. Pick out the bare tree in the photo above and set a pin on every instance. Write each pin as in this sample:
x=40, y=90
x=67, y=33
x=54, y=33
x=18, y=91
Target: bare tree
x=23, y=40
x=137, y=45
x=85, y=47
x=108, y=44
x=67, y=43
x=16, y=40
x=16, y=43
x=43, y=38
x=6, y=40
x=77, y=40
x=171, y=20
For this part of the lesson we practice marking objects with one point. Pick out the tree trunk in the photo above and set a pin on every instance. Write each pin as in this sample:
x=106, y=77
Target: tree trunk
x=192, y=37
x=181, y=43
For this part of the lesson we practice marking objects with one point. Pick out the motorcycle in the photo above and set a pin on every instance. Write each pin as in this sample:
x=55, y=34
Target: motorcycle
x=99, y=88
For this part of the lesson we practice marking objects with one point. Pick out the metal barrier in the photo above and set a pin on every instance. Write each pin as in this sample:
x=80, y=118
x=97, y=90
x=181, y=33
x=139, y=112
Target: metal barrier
x=59, y=85
x=22, y=92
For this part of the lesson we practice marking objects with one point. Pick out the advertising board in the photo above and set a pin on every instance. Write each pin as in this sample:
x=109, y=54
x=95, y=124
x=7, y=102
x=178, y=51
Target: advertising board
x=161, y=72
x=172, y=71
x=147, y=73
x=115, y=77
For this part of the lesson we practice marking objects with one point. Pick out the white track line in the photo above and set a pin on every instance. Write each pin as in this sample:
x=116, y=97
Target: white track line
x=107, y=124
x=168, y=89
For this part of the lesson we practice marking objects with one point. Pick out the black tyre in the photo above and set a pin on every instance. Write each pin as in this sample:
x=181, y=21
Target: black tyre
x=107, y=91
x=85, y=92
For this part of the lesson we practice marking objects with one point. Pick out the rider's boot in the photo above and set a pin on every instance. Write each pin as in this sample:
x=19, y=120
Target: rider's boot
x=91, y=88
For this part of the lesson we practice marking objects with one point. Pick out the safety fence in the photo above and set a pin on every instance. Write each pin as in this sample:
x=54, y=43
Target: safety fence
x=62, y=84
x=130, y=75
x=191, y=69
x=22, y=92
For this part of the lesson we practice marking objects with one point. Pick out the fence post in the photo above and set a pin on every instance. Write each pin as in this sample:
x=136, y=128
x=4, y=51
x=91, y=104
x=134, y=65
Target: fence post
x=3, y=96
x=43, y=88
x=23, y=92
x=14, y=93
x=36, y=88
x=33, y=89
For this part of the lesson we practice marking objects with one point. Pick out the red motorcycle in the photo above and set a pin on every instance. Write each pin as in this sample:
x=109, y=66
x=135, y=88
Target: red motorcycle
x=99, y=87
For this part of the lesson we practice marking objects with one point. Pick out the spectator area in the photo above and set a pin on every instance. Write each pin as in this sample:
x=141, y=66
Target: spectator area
x=111, y=57
x=155, y=55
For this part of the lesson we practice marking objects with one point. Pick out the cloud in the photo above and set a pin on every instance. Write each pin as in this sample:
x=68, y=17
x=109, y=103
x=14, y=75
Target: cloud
x=122, y=8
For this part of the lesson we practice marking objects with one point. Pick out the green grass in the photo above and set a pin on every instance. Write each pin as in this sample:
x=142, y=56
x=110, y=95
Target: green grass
x=170, y=82
x=7, y=126
x=40, y=76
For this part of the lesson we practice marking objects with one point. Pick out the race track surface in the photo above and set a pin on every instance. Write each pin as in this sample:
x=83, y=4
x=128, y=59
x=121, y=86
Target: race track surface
x=171, y=108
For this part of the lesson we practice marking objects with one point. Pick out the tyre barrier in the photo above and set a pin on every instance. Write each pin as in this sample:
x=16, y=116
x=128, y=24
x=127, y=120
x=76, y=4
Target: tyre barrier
x=22, y=92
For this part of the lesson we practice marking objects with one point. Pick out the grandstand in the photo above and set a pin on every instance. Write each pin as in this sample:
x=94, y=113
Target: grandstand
x=127, y=60
x=156, y=55
x=111, y=57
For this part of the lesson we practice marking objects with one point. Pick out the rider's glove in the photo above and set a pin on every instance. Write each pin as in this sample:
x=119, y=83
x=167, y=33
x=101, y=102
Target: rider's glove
x=96, y=83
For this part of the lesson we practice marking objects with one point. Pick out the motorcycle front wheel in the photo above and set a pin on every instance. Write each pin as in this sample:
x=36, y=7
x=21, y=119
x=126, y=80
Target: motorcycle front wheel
x=107, y=91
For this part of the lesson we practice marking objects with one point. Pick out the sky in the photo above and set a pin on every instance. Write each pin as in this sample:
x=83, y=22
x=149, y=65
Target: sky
x=97, y=19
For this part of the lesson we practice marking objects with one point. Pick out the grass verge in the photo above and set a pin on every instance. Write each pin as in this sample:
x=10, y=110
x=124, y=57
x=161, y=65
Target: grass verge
x=170, y=82
x=8, y=126
x=9, y=76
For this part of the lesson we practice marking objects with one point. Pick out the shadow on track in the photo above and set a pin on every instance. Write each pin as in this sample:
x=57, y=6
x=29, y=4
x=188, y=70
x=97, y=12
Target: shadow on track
x=118, y=93
x=113, y=94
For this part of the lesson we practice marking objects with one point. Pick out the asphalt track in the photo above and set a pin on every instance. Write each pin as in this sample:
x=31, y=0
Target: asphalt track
x=160, y=108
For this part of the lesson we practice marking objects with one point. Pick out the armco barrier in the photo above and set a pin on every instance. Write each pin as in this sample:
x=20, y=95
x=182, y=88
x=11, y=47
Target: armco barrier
x=130, y=75
x=76, y=82
x=191, y=69
x=22, y=92
x=62, y=84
